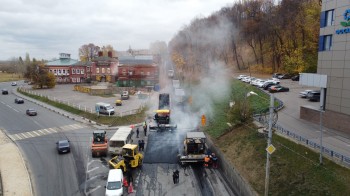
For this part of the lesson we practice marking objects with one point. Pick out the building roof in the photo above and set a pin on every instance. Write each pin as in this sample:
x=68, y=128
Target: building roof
x=104, y=58
x=136, y=60
x=62, y=62
x=81, y=63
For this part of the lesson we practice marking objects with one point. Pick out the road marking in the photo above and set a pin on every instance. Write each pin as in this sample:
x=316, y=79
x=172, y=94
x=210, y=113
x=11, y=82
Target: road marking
x=19, y=137
x=31, y=134
x=47, y=131
x=42, y=132
x=12, y=137
x=36, y=133
x=92, y=190
x=53, y=130
x=24, y=135
x=93, y=169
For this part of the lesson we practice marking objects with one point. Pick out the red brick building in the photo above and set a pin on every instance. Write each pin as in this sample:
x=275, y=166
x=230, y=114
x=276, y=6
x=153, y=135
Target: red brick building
x=61, y=68
x=137, y=71
x=104, y=69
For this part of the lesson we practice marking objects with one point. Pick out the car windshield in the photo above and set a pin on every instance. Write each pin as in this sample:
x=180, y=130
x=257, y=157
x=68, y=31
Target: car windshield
x=114, y=185
x=63, y=143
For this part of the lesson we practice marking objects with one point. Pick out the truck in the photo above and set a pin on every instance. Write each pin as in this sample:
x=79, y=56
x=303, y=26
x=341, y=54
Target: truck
x=124, y=95
x=104, y=108
x=121, y=137
x=195, y=148
x=162, y=117
x=130, y=158
x=99, y=145
x=170, y=73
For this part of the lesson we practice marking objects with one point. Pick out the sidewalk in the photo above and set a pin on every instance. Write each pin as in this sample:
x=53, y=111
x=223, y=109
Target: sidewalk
x=15, y=178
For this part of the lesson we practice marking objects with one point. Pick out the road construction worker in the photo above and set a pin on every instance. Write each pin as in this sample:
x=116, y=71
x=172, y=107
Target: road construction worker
x=206, y=161
x=214, y=160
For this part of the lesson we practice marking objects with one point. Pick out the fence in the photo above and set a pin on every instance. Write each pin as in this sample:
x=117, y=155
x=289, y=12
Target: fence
x=333, y=155
x=82, y=107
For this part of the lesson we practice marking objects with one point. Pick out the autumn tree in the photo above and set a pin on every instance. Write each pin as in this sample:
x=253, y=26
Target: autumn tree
x=88, y=51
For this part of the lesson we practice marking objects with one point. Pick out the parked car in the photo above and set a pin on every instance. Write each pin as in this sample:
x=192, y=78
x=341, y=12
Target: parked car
x=314, y=96
x=31, y=112
x=19, y=100
x=268, y=84
x=260, y=83
x=278, y=88
x=63, y=146
x=285, y=76
x=296, y=78
x=303, y=94
x=4, y=91
x=240, y=77
x=14, y=84
x=275, y=75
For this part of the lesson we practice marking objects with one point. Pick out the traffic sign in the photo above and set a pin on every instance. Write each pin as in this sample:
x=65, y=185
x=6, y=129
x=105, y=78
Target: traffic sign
x=270, y=149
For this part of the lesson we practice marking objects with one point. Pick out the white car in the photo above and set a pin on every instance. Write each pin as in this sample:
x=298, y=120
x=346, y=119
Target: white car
x=240, y=77
x=260, y=83
x=303, y=94
x=14, y=84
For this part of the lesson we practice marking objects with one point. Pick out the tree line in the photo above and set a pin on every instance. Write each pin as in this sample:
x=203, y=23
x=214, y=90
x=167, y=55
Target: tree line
x=261, y=35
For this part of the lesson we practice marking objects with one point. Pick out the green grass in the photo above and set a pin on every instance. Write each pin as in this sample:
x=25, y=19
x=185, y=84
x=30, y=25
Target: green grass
x=295, y=169
x=106, y=120
x=6, y=77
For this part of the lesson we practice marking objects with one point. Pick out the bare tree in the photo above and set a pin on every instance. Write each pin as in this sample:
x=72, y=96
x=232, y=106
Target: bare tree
x=88, y=51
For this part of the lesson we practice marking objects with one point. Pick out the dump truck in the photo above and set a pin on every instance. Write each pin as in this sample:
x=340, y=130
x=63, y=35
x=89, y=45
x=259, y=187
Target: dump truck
x=162, y=119
x=99, y=146
x=130, y=158
x=194, y=149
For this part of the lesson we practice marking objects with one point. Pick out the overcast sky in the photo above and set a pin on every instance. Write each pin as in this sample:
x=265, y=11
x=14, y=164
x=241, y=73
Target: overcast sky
x=44, y=28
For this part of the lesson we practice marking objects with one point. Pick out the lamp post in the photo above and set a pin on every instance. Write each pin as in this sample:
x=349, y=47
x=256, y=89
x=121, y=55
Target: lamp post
x=269, y=140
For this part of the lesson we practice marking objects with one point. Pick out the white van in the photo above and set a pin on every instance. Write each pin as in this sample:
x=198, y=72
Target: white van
x=104, y=108
x=114, y=186
x=121, y=137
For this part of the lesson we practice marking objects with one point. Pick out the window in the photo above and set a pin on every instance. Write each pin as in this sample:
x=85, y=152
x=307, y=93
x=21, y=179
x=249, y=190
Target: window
x=328, y=42
x=103, y=70
x=329, y=18
x=82, y=71
x=325, y=43
x=73, y=71
x=88, y=69
x=77, y=71
x=97, y=70
x=59, y=71
x=142, y=73
x=124, y=72
x=108, y=70
x=64, y=72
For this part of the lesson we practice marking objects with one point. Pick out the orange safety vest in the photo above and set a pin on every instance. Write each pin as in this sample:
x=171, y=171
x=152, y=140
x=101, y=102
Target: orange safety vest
x=206, y=161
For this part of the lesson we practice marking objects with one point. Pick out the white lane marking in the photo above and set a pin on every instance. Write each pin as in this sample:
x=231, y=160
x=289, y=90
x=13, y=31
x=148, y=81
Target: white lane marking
x=92, y=190
x=42, y=132
x=36, y=133
x=93, y=169
x=12, y=138
x=24, y=135
x=53, y=130
x=47, y=131
x=19, y=137
x=36, y=123
x=31, y=134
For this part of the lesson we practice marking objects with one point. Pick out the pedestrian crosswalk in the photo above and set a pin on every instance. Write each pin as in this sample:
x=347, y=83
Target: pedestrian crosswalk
x=46, y=131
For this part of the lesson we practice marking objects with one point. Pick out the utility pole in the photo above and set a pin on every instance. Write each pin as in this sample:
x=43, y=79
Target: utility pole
x=269, y=141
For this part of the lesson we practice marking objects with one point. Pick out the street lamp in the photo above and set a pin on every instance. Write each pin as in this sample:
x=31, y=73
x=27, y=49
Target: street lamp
x=269, y=140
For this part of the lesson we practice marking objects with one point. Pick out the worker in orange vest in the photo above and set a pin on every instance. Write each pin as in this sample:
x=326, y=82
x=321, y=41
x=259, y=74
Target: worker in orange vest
x=206, y=160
